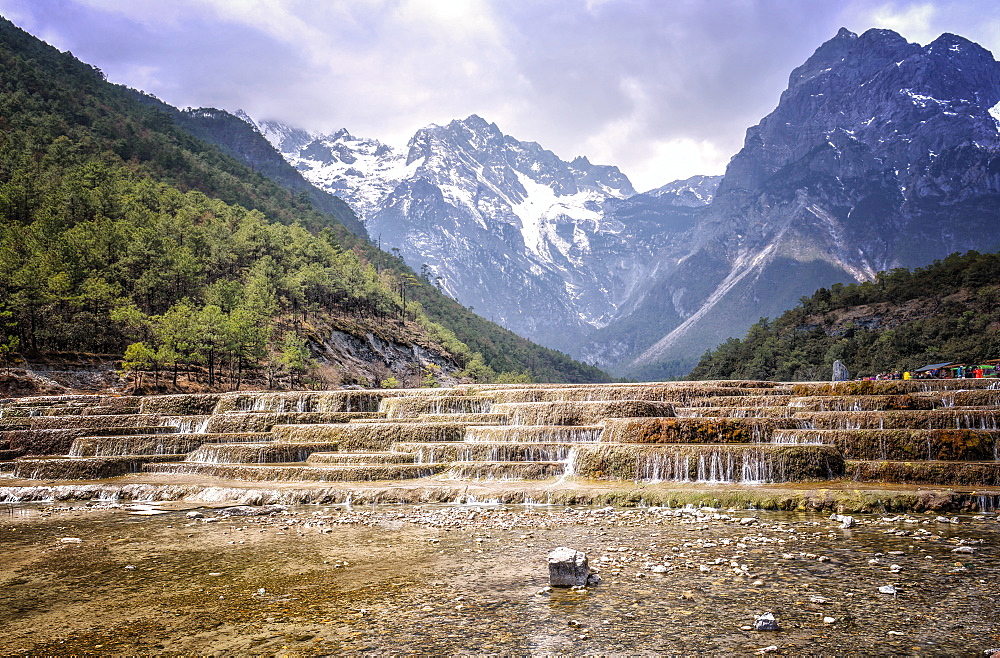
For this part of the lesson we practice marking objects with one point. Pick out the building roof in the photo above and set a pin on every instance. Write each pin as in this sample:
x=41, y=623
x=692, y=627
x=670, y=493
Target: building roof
x=935, y=366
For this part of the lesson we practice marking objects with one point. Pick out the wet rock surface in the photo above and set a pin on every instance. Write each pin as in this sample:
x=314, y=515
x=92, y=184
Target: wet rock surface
x=317, y=580
x=568, y=568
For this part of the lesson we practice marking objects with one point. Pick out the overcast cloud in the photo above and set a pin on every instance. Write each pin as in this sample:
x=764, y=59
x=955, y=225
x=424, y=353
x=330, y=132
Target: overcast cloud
x=662, y=89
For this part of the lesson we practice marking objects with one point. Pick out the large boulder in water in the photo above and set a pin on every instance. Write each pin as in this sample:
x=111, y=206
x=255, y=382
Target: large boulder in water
x=568, y=568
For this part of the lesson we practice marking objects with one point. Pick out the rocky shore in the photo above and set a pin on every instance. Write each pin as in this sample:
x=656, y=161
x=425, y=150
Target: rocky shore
x=174, y=577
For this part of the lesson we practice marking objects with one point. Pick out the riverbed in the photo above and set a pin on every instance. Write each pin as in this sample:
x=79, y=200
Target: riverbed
x=184, y=578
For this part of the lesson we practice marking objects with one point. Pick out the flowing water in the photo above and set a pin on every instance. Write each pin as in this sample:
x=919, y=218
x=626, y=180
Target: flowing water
x=710, y=433
x=471, y=579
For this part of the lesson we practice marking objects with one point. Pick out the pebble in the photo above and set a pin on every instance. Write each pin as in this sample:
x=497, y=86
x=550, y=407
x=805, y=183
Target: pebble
x=829, y=620
x=71, y=540
x=887, y=589
x=968, y=550
x=845, y=521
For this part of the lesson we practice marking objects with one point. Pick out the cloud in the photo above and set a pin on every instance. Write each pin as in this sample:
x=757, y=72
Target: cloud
x=661, y=89
x=914, y=21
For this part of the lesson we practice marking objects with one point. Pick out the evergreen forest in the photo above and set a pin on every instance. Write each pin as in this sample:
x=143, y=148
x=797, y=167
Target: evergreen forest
x=903, y=320
x=122, y=233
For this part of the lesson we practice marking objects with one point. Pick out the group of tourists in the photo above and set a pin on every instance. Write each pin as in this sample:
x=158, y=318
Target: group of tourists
x=942, y=371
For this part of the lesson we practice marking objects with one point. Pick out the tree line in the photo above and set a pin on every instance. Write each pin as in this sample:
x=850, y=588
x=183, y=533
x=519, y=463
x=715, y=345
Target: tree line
x=902, y=320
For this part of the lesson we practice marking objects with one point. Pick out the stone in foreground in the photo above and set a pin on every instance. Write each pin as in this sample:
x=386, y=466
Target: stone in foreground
x=568, y=568
x=766, y=622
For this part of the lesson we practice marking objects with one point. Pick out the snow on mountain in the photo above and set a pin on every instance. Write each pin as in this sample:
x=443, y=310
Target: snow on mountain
x=498, y=220
x=880, y=153
x=692, y=192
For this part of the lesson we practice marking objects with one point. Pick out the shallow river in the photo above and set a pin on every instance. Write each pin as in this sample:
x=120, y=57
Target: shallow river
x=472, y=579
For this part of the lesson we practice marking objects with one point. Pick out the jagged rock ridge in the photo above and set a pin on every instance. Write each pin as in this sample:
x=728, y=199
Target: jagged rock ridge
x=881, y=153
x=549, y=248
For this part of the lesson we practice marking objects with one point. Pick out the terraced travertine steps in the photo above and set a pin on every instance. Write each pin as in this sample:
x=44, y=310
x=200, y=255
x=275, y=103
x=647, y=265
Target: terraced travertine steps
x=928, y=432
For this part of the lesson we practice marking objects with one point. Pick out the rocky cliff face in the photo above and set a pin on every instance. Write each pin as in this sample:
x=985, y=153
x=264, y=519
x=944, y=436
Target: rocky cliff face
x=549, y=248
x=881, y=153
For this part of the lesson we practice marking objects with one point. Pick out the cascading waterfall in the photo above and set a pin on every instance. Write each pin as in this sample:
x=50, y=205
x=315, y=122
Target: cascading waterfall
x=715, y=468
x=255, y=453
x=569, y=463
x=534, y=434
x=699, y=433
x=581, y=413
x=187, y=424
x=668, y=467
x=403, y=407
x=796, y=437
x=757, y=468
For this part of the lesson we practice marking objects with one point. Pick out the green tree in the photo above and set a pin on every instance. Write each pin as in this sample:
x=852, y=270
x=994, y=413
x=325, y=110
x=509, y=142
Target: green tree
x=294, y=356
x=478, y=371
x=9, y=340
x=138, y=359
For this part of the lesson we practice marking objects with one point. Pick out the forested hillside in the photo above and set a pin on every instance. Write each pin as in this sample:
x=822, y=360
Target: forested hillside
x=122, y=233
x=948, y=311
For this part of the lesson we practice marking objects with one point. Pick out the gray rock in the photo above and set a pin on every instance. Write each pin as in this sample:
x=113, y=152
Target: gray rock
x=568, y=568
x=844, y=520
x=887, y=589
x=253, y=510
x=968, y=550
x=766, y=622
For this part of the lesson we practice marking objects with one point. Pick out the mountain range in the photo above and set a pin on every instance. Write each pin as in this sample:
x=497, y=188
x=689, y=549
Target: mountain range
x=880, y=154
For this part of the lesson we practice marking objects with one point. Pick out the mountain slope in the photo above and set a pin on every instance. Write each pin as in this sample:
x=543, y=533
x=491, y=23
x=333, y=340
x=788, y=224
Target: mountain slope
x=903, y=320
x=119, y=228
x=881, y=153
x=551, y=249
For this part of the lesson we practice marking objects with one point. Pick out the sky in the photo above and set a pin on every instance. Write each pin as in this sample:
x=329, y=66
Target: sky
x=663, y=89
